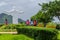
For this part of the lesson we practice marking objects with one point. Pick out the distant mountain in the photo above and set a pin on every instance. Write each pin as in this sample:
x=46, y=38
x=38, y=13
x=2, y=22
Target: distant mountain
x=20, y=20
x=4, y=16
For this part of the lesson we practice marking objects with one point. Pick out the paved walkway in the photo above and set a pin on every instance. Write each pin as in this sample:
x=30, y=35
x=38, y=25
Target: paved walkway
x=8, y=32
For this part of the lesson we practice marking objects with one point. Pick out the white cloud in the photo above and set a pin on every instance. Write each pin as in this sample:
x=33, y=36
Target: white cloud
x=32, y=0
x=3, y=3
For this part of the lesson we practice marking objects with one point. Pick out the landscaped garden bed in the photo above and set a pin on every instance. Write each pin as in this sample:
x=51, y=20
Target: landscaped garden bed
x=35, y=32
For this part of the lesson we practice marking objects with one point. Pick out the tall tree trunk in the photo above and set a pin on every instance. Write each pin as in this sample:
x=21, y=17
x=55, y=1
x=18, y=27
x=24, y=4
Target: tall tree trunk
x=59, y=18
x=45, y=24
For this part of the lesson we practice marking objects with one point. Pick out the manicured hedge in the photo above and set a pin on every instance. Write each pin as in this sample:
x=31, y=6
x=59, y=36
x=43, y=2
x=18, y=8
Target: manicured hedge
x=11, y=26
x=39, y=33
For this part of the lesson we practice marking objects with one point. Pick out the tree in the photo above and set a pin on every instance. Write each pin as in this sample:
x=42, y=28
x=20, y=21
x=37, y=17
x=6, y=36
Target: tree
x=42, y=17
x=53, y=8
x=48, y=11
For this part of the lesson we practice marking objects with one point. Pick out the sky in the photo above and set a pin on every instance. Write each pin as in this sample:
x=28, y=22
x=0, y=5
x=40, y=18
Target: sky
x=25, y=8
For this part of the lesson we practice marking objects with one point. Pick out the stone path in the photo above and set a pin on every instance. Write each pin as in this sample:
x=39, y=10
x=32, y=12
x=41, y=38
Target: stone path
x=8, y=32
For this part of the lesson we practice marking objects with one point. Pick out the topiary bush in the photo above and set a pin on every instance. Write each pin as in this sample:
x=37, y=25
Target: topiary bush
x=40, y=25
x=11, y=26
x=39, y=33
x=51, y=25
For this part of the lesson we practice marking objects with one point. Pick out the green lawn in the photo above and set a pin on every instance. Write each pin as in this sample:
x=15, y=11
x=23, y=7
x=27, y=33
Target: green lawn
x=59, y=35
x=18, y=37
x=14, y=37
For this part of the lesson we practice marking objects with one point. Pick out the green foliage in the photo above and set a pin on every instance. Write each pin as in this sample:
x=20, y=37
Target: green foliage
x=42, y=17
x=58, y=35
x=39, y=33
x=1, y=25
x=58, y=26
x=51, y=25
x=48, y=11
x=8, y=27
x=12, y=26
x=40, y=25
x=52, y=8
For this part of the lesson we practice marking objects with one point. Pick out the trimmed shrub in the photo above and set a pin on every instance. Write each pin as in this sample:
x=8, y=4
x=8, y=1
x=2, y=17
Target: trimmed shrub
x=40, y=25
x=39, y=33
x=1, y=25
x=51, y=25
x=12, y=26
